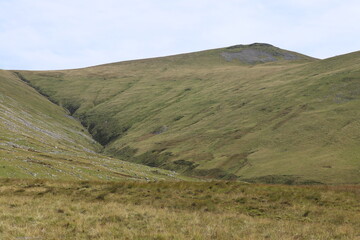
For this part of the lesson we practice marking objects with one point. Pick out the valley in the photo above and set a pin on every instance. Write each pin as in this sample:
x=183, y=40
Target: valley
x=204, y=145
x=254, y=113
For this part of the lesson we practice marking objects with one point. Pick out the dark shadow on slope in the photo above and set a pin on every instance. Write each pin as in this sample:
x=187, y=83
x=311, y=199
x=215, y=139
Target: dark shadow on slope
x=104, y=129
x=163, y=159
x=282, y=179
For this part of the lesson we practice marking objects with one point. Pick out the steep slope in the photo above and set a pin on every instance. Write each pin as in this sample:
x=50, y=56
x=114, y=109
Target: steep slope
x=40, y=140
x=252, y=112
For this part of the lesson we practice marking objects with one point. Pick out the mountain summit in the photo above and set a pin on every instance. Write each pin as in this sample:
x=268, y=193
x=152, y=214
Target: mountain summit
x=258, y=53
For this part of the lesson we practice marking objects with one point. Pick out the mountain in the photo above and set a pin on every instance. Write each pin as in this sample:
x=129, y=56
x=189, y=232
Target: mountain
x=39, y=139
x=251, y=112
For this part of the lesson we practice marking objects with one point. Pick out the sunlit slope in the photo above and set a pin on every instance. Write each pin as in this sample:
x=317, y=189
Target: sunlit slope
x=38, y=139
x=282, y=117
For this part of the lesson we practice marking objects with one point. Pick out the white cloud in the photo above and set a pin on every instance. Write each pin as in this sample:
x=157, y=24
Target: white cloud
x=42, y=34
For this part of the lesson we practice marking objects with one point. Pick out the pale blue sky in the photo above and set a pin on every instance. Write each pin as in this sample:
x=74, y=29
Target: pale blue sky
x=59, y=34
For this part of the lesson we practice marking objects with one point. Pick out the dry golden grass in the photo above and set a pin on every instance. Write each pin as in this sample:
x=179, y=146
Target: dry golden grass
x=37, y=209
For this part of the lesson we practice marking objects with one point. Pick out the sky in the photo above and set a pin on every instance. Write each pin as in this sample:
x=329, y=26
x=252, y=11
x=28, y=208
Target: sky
x=63, y=34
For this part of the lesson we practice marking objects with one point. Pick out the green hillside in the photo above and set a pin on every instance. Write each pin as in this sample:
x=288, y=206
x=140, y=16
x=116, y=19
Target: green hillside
x=38, y=139
x=256, y=113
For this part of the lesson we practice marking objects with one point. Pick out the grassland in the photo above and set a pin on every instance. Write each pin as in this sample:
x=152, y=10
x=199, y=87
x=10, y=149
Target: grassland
x=39, y=139
x=284, y=121
x=39, y=209
x=275, y=117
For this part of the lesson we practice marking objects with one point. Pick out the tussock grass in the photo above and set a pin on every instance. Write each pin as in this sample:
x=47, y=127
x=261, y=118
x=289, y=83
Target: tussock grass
x=43, y=209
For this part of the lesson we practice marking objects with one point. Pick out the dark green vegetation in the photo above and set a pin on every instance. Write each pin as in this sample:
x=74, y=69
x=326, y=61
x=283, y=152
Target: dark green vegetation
x=255, y=113
x=40, y=140
x=39, y=209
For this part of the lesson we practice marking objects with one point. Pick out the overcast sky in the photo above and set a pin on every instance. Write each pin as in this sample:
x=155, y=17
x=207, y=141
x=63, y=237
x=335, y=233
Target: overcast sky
x=59, y=34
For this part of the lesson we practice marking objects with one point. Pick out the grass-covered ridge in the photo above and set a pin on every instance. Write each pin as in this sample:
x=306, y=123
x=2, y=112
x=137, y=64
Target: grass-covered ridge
x=279, y=117
x=39, y=139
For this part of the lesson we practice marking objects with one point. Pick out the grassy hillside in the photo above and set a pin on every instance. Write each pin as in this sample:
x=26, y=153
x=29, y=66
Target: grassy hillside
x=257, y=112
x=38, y=209
x=39, y=139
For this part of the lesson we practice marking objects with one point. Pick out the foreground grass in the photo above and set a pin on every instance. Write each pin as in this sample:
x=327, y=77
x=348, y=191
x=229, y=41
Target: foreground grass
x=39, y=209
